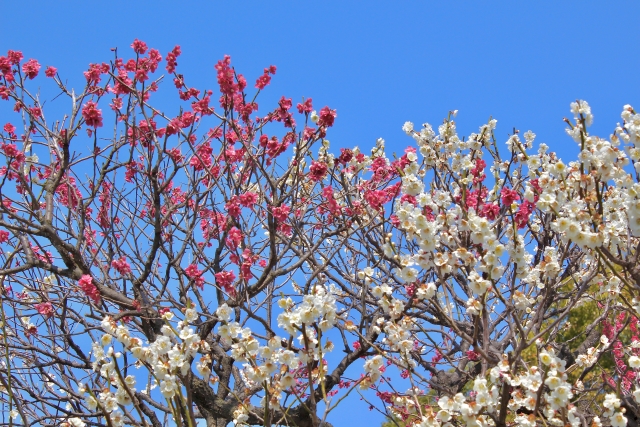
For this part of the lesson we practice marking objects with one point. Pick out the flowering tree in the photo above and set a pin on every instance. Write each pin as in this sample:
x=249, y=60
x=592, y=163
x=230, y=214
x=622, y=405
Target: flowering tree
x=213, y=263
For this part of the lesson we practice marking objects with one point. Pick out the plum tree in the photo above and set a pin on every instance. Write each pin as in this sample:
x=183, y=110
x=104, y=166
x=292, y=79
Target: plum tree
x=221, y=264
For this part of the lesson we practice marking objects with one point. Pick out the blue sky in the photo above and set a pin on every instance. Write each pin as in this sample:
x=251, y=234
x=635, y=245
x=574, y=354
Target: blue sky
x=378, y=63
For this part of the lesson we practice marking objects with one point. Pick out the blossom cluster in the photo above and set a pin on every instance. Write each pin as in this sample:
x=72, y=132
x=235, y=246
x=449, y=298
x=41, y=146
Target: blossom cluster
x=167, y=358
x=544, y=388
x=170, y=356
x=491, y=212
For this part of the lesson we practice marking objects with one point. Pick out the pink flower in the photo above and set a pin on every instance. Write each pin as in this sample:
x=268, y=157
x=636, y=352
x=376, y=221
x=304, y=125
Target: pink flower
x=407, y=198
x=376, y=198
x=308, y=133
x=31, y=68
x=273, y=147
x=305, y=107
x=4, y=236
x=121, y=265
x=192, y=271
x=93, y=75
x=281, y=213
x=265, y=78
x=285, y=103
x=187, y=119
x=225, y=280
x=248, y=199
x=381, y=170
x=194, y=274
x=202, y=159
x=171, y=59
x=489, y=211
x=10, y=150
x=327, y=117
x=475, y=198
x=245, y=269
x=174, y=126
x=537, y=190
x=50, y=71
x=202, y=106
x=45, y=309
x=234, y=238
x=15, y=56
x=263, y=81
x=5, y=65
x=233, y=207
x=36, y=112
x=524, y=211
x=116, y=104
x=9, y=128
x=317, y=171
x=226, y=79
x=139, y=47
x=92, y=115
x=330, y=204
x=345, y=156
x=89, y=289
x=478, y=171
x=508, y=196
x=4, y=92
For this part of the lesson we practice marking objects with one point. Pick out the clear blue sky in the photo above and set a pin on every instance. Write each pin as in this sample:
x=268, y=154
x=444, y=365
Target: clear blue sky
x=378, y=63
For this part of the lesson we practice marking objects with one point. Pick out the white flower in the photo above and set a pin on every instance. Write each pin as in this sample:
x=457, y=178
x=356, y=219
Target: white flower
x=477, y=284
x=545, y=357
x=162, y=345
x=634, y=362
x=190, y=315
x=553, y=382
x=618, y=420
x=285, y=302
x=110, y=403
x=287, y=381
x=288, y=357
x=611, y=401
x=76, y=422
x=582, y=108
x=168, y=387
x=123, y=397
x=224, y=312
x=474, y=307
x=377, y=292
x=130, y=381
x=408, y=128
x=105, y=340
x=408, y=274
x=426, y=291
x=108, y=325
x=92, y=403
x=444, y=415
